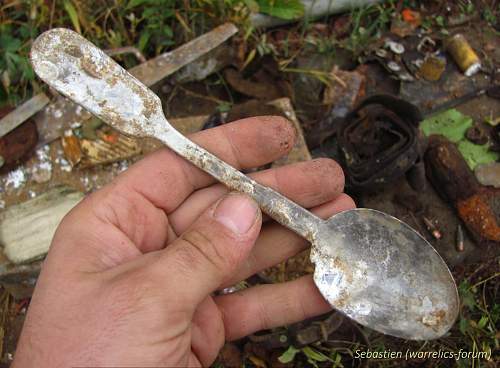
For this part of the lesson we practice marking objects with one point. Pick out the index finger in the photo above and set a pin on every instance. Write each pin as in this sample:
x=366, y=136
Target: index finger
x=166, y=179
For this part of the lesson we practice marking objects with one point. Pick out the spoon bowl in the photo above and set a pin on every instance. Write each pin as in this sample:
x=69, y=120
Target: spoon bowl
x=383, y=274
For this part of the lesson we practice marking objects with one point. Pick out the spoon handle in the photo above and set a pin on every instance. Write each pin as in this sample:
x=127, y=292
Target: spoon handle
x=277, y=206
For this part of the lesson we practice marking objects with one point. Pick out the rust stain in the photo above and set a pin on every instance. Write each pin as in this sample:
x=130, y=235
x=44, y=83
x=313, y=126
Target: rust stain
x=434, y=319
x=478, y=215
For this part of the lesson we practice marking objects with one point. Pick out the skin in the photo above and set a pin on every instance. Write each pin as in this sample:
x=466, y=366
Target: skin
x=132, y=270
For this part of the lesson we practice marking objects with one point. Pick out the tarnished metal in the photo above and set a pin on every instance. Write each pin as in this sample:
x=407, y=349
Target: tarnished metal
x=61, y=114
x=369, y=265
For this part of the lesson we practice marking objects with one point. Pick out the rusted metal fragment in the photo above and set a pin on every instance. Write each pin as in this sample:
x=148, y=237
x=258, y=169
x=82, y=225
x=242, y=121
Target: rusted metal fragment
x=17, y=145
x=479, y=217
x=379, y=141
x=22, y=113
x=107, y=148
x=448, y=171
x=452, y=178
x=26, y=229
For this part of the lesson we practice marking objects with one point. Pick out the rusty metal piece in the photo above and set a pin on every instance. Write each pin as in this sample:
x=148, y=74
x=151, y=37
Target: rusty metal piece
x=460, y=239
x=463, y=54
x=379, y=142
x=369, y=265
x=22, y=113
x=432, y=68
x=71, y=147
x=17, y=145
x=452, y=178
x=431, y=228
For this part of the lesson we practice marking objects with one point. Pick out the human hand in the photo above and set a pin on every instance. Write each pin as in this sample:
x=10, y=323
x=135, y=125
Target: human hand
x=131, y=270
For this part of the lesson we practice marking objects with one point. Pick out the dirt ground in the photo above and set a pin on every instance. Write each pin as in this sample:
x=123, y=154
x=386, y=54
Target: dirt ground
x=202, y=99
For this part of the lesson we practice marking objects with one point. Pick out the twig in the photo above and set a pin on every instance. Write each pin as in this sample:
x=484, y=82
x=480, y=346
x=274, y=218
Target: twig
x=126, y=50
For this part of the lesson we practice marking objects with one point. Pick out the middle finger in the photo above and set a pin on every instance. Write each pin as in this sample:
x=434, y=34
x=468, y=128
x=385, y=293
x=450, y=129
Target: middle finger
x=308, y=183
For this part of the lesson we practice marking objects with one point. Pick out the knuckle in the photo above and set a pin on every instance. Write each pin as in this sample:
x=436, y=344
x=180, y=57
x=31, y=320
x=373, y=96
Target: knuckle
x=198, y=249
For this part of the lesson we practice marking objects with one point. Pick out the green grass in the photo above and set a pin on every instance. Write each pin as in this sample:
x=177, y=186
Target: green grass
x=153, y=26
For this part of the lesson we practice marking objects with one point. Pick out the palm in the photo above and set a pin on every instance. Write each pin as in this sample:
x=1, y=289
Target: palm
x=128, y=227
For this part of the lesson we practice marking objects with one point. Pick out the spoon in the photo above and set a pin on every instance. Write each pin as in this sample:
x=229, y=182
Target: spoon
x=368, y=265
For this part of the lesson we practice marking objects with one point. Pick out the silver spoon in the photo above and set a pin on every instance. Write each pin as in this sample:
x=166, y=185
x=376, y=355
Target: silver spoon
x=369, y=265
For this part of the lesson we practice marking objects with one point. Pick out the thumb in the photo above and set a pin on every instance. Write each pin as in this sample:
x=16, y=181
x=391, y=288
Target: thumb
x=210, y=252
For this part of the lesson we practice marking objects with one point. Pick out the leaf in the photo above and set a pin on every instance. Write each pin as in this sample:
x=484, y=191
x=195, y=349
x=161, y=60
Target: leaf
x=451, y=123
x=135, y=3
x=284, y=9
x=466, y=295
x=482, y=322
x=475, y=154
x=289, y=355
x=463, y=325
x=143, y=40
x=73, y=15
x=315, y=354
x=249, y=58
x=253, y=5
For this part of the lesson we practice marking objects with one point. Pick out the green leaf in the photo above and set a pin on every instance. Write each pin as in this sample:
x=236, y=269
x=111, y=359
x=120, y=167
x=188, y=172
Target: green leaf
x=253, y=5
x=73, y=15
x=143, y=40
x=315, y=354
x=289, y=355
x=466, y=295
x=475, y=154
x=482, y=322
x=135, y=3
x=451, y=123
x=284, y=9
x=463, y=326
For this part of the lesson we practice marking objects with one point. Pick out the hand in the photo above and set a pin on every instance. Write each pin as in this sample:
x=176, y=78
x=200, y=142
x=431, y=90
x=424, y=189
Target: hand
x=131, y=270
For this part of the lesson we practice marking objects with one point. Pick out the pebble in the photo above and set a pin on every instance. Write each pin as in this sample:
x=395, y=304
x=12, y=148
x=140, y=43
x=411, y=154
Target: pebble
x=488, y=174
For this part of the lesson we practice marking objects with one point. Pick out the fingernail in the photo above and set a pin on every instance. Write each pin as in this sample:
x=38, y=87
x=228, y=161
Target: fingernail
x=236, y=212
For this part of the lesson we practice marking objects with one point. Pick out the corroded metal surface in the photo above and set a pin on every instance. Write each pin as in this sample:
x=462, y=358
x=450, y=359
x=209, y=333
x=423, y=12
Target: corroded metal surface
x=59, y=115
x=384, y=275
x=369, y=265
